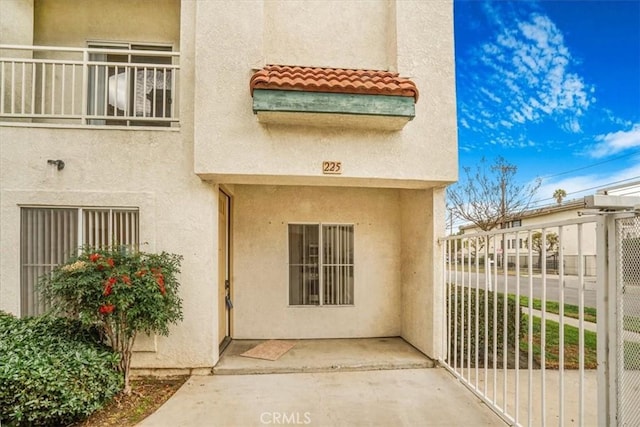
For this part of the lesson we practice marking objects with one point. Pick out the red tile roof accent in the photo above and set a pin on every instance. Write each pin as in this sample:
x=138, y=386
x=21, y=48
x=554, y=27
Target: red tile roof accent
x=336, y=80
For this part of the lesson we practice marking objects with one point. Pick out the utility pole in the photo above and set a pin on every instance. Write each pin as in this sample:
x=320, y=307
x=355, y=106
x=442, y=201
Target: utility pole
x=505, y=170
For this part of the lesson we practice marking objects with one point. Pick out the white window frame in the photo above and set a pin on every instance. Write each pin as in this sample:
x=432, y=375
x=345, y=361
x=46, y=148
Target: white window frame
x=36, y=259
x=321, y=265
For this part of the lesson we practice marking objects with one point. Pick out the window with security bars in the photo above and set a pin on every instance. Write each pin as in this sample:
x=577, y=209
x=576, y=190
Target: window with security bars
x=321, y=264
x=49, y=236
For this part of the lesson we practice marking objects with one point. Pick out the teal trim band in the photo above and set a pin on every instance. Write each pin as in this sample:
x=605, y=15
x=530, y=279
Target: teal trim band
x=336, y=103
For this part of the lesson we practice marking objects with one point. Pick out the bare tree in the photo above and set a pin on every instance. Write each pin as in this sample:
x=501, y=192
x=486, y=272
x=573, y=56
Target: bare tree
x=489, y=195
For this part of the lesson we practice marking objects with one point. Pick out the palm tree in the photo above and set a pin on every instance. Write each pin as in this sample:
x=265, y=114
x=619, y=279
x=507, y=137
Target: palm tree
x=559, y=194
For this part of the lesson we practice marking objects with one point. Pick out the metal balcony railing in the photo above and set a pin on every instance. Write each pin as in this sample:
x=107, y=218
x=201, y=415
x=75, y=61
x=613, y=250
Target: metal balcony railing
x=88, y=86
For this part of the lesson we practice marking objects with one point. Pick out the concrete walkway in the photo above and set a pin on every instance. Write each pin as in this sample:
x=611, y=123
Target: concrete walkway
x=406, y=397
x=327, y=382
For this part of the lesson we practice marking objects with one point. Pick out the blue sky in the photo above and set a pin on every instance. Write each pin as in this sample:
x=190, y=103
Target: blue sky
x=553, y=87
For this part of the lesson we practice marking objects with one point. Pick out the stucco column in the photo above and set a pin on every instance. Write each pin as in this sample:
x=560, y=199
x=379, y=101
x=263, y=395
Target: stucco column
x=422, y=223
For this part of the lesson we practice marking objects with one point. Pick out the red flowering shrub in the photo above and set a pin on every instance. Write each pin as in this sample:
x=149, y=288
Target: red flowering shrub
x=120, y=292
x=107, y=309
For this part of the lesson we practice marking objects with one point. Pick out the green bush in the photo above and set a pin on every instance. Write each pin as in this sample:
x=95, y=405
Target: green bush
x=466, y=309
x=119, y=292
x=52, y=371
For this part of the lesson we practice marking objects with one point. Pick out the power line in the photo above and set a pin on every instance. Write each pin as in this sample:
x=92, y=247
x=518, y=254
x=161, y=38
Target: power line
x=592, y=165
x=536, y=202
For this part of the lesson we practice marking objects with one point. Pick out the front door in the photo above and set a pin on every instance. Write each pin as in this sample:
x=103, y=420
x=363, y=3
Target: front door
x=224, y=264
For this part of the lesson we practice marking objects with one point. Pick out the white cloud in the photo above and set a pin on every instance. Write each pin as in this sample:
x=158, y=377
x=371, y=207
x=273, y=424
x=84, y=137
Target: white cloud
x=524, y=75
x=616, y=142
x=580, y=186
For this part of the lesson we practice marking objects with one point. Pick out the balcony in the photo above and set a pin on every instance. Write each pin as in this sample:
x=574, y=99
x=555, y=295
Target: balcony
x=103, y=86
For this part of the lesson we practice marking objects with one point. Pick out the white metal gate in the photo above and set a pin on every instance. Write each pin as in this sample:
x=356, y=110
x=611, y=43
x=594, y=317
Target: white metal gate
x=520, y=328
x=628, y=320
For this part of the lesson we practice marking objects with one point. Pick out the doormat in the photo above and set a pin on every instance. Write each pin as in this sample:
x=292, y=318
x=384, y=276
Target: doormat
x=269, y=350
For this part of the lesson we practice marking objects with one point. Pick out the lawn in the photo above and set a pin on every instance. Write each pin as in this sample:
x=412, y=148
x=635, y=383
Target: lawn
x=552, y=345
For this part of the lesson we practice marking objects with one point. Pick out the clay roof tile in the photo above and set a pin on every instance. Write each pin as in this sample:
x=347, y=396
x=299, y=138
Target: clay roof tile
x=336, y=80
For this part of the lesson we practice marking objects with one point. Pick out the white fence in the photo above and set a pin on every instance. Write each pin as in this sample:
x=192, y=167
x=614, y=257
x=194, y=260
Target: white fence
x=526, y=340
x=88, y=86
x=500, y=338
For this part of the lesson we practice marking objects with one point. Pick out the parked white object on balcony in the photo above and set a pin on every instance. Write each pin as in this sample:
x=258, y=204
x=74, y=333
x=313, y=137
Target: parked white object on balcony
x=118, y=92
x=147, y=81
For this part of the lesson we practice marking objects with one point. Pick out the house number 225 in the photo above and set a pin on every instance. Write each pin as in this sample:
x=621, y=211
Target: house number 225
x=331, y=167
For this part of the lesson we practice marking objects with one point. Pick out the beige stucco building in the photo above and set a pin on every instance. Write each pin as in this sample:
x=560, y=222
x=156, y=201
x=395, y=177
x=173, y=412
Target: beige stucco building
x=578, y=241
x=310, y=197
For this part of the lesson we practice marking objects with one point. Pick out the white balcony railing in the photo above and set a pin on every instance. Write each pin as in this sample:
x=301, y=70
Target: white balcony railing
x=88, y=86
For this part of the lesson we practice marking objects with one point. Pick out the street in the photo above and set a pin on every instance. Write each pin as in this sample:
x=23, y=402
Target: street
x=571, y=286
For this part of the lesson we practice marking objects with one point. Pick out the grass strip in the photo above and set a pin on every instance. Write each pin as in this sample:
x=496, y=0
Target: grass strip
x=570, y=310
x=552, y=345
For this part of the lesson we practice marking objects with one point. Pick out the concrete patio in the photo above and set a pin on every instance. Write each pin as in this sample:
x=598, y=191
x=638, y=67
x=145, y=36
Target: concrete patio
x=325, y=355
x=354, y=382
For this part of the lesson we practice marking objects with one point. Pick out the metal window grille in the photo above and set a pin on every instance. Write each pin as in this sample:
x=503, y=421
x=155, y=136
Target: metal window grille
x=321, y=277
x=337, y=265
x=49, y=236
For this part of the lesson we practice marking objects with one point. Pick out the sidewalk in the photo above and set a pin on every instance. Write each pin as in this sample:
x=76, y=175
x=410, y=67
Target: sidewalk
x=589, y=326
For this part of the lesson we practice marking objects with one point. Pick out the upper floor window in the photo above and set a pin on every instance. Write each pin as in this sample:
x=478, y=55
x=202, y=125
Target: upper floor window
x=51, y=235
x=134, y=87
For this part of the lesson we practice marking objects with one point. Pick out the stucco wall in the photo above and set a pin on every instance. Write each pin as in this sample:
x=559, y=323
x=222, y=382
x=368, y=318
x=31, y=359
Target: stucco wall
x=422, y=224
x=151, y=170
x=74, y=22
x=154, y=170
x=260, y=279
x=16, y=21
x=231, y=146
x=303, y=41
x=148, y=170
x=16, y=27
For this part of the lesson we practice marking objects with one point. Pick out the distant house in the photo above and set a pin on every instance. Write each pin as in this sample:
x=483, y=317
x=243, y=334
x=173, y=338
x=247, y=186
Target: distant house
x=295, y=153
x=519, y=241
x=557, y=213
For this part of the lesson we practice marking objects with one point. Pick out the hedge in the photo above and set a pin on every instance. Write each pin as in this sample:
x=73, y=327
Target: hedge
x=467, y=309
x=53, y=371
